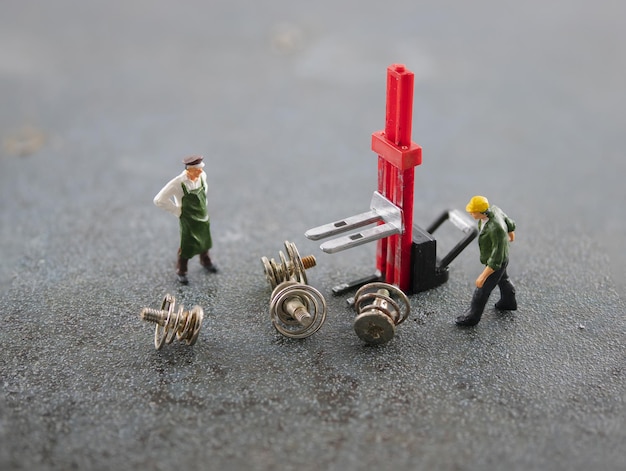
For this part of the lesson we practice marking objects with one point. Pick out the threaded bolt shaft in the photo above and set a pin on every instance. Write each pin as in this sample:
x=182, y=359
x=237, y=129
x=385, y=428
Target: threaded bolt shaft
x=154, y=315
x=309, y=261
x=181, y=324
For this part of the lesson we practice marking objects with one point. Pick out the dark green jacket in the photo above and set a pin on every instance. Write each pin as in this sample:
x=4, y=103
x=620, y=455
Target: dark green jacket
x=493, y=240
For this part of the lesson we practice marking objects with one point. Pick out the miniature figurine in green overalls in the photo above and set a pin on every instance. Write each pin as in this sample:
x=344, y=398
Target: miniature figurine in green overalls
x=185, y=197
x=496, y=231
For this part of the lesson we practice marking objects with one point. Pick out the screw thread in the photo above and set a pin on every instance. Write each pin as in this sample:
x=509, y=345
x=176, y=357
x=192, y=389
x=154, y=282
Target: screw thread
x=302, y=316
x=153, y=315
x=309, y=261
x=295, y=307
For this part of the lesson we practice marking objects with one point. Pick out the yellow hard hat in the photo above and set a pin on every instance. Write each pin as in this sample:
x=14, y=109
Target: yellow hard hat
x=478, y=204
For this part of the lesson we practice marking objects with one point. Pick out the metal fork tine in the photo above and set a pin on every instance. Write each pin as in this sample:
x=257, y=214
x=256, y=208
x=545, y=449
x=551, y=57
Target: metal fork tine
x=344, y=225
x=353, y=240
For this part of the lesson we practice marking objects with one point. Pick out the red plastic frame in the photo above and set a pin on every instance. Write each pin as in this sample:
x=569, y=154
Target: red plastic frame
x=397, y=158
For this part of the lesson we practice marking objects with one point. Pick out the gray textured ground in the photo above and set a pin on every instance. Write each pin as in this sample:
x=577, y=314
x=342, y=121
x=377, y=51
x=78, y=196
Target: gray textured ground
x=522, y=102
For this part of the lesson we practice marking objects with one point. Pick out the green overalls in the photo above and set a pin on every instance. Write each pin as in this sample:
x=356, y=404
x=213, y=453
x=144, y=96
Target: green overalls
x=195, y=227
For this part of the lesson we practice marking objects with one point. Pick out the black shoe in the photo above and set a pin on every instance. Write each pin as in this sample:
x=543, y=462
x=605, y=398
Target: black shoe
x=473, y=313
x=467, y=321
x=470, y=318
x=506, y=305
x=182, y=279
x=210, y=268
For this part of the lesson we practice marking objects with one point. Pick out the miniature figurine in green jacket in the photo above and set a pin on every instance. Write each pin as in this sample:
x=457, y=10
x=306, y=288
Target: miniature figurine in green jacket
x=185, y=197
x=496, y=231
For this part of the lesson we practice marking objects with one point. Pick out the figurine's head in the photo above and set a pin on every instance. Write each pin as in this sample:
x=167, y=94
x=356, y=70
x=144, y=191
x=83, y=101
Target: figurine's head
x=477, y=207
x=193, y=166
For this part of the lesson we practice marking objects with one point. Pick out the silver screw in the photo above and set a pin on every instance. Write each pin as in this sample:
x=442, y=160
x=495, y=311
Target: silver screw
x=297, y=310
x=292, y=268
x=379, y=313
x=184, y=325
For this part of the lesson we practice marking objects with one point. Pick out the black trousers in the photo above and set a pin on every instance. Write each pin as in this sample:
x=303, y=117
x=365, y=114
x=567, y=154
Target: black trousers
x=181, y=263
x=498, y=278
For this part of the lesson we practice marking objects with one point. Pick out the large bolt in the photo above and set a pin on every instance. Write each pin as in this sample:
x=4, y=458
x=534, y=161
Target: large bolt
x=292, y=268
x=297, y=310
x=378, y=312
x=184, y=325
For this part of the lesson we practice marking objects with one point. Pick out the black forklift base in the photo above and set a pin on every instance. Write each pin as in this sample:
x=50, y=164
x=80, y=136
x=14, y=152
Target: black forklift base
x=427, y=270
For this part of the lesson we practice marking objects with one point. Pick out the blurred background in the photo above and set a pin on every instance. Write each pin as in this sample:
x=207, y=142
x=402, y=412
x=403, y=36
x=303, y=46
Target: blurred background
x=101, y=94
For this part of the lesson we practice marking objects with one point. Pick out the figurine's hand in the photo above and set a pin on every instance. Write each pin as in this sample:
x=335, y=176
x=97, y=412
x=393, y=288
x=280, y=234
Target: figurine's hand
x=511, y=236
x=480, y=281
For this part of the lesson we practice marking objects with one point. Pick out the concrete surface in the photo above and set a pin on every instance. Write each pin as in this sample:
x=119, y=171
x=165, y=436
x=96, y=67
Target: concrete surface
x=520, y=101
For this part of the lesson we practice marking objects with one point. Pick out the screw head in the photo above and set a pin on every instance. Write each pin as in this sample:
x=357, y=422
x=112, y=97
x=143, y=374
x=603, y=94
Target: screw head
x=374, y=327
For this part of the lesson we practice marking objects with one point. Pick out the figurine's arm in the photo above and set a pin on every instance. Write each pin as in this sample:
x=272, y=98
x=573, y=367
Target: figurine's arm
x=510, y=226
x=170, y=197
x=498, y=238
x=206, y=188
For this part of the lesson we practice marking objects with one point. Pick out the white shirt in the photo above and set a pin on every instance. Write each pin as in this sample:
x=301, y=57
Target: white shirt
x=170, y=198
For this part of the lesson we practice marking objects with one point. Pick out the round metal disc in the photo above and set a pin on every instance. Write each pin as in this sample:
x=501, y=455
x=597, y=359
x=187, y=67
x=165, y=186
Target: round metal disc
x=299, y=271
x=270, y=273
x=191, y=331
x=310, y=297
x=374, y=327
x=160, y=332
